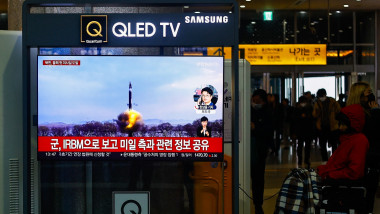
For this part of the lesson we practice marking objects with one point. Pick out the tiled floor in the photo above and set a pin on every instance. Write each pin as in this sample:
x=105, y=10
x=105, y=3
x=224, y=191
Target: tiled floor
x=278, y=167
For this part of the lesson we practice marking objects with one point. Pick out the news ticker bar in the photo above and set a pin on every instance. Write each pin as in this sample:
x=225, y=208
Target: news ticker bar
x=130, y=156
x=130, y=144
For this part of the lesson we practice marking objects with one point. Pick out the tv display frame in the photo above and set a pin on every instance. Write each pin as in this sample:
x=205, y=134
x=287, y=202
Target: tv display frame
x=86, y=105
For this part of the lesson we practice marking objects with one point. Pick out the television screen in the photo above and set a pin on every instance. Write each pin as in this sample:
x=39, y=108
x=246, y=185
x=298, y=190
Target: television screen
x=130, y=107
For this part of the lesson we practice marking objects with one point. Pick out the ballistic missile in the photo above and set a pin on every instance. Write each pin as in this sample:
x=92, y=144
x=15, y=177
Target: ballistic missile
x=130, y=96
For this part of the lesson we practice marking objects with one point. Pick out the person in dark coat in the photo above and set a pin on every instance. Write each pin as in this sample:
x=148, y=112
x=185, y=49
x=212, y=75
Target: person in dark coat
x=204, y=130
x=286, y=114
x=304, y=129
x=275, y=109
x=261, y=136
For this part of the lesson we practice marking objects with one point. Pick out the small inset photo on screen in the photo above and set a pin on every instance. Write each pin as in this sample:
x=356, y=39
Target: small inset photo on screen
x=206, y=98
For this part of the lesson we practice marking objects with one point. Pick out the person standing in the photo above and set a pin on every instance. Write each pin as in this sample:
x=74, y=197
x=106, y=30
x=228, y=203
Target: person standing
x=325, y=109
x=261, y=136
x=304, y=129
x=204, y=130
x=309, y=98
x=286, y=114
x=361, y=93
x=274, y=106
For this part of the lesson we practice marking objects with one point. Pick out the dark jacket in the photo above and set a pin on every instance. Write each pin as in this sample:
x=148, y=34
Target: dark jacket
x=262, y=134
x=371, y=130
x=263, y=120
x=348, y=161
x=304, y=121
x=199, y=129
x=328, y=114
x=277, y=115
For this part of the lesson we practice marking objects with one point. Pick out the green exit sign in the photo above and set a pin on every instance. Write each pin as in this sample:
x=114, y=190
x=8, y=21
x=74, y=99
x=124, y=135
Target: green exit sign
x=268, y=15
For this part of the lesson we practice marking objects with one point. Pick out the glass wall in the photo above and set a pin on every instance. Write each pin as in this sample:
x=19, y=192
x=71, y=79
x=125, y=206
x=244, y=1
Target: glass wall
x=365, y=38
x=254, y=30
x=365, y=31
x=312, y=27
x=340, y=55
x=274, y=83
x=365, y=55
x=341, y=27
x=349, y=36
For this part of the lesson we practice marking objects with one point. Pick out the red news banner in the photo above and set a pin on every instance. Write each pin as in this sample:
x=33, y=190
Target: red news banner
x=129, y=144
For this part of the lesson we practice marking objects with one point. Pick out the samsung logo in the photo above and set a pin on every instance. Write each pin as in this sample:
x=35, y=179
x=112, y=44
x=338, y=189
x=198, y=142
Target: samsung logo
x=206, y=19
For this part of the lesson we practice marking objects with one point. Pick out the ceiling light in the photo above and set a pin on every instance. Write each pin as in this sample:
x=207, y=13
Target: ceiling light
x=186, y=6
x=320, y=19
x=346, y=5
x=230, y=12
x=253, y=23
x=338, y=11
x=197, y=12
x=358, y=0
x=242, y=6
x=302, y=12
x=248, y=0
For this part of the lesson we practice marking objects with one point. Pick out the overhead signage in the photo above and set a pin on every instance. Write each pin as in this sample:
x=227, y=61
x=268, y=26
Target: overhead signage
x=131, y=28
x=268, y=15
x=295, y=54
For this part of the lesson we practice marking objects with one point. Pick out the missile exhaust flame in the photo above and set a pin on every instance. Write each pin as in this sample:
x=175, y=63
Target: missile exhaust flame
x=134, y=117
x=130, y=120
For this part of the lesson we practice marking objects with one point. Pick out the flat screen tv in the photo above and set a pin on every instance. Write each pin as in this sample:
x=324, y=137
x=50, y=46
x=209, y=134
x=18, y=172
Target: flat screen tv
x=130, y=108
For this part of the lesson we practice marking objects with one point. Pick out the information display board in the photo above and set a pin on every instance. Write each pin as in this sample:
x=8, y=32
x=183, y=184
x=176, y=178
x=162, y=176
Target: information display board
x=279, y=54
x=130, y=107
x=294, y=54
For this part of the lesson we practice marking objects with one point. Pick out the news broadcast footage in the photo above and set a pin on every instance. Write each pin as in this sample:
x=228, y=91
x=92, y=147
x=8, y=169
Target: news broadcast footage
x=130, y=108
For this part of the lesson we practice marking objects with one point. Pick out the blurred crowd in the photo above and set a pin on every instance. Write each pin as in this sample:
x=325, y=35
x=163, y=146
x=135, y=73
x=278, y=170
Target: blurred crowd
x=310, y=120
x=313, y=119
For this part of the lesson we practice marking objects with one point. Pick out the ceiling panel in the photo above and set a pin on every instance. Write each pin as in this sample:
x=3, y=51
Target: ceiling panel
x=288, y=4
x=309, y=4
